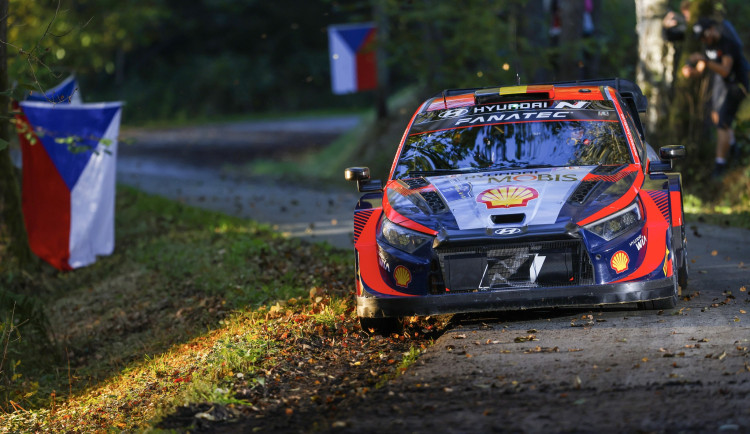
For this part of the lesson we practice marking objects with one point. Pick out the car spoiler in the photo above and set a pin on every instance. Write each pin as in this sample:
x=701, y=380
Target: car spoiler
x=631, y=95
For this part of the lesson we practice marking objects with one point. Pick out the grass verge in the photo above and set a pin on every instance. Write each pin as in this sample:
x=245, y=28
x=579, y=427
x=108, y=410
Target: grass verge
x=724, y=203
x=193, y=306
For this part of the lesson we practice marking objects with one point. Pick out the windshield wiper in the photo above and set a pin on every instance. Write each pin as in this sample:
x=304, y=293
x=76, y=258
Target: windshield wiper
x=417, y=173
x=519, y=167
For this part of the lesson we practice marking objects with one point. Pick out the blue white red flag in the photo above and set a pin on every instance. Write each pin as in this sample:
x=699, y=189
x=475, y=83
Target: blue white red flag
x=69, y=157
x=65, y=92
x=353, y=61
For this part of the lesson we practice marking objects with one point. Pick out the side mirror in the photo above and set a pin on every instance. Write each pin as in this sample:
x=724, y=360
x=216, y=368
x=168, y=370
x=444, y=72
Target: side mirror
x=672, y=152
x=362, y=176
x=667, y=154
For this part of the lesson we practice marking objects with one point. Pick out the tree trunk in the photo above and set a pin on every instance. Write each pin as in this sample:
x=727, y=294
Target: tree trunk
x=571, y=20
x=656, y=60
x=534, y=28
x=10, y=197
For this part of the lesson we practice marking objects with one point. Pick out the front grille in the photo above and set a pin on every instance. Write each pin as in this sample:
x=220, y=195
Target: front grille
x=507, y=266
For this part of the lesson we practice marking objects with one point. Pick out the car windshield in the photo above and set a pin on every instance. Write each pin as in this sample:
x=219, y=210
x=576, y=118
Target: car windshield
x=579, y=142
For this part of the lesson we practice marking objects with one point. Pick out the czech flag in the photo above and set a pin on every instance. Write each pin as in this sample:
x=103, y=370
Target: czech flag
x=353, y=61
x=69, y=156
x=65, y=92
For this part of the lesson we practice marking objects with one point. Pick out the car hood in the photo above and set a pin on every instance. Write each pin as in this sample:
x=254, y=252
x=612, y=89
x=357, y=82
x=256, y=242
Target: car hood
x=531, y=197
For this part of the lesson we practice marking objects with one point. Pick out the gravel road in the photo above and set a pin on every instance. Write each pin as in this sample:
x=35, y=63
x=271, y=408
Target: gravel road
x=186, y=164
x=681, y=370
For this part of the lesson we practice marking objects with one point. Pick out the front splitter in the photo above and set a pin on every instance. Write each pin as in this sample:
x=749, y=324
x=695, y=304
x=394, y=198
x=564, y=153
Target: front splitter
x=516, y=299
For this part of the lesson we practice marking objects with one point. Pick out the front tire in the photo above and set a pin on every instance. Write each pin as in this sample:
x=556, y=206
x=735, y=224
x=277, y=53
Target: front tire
x=662, y=303
x=682, y=271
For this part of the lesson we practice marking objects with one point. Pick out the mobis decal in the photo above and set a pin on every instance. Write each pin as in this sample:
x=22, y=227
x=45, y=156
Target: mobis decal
x=507, y=196
x=532, y=177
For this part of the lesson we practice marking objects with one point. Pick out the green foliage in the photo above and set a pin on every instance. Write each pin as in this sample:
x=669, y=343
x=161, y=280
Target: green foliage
x=173, y=59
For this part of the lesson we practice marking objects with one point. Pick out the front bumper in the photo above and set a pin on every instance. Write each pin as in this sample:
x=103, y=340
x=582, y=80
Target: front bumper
x=516, y=299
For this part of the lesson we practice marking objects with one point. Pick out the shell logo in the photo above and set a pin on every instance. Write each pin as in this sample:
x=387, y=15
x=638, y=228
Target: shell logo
x=507, y=196
x=402, y=276
x=619, y=261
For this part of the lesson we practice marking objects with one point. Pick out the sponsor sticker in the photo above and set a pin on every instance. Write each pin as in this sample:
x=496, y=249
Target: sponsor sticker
x=402, y=276
x=507, y=196
x=619, y=261
x=529, y=177
x=489, y=114
x=638, y=242
x=666, y=261
x=457, y=192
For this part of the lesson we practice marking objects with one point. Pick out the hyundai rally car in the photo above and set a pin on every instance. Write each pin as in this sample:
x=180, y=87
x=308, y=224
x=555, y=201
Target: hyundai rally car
x=521, y=197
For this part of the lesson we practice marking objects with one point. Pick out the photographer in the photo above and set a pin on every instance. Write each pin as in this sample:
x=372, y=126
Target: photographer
x=722, y=57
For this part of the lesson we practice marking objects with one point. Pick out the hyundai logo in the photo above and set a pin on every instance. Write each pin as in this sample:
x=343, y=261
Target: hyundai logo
x=507, y=231
x=452, y=113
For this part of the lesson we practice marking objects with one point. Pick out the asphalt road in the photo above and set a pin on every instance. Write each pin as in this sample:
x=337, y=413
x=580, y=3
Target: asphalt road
x=685, y=369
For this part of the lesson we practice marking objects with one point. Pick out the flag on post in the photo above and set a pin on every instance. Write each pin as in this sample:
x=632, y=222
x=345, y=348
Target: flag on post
x=69, y=157
x=353, y=60
x=65, y=92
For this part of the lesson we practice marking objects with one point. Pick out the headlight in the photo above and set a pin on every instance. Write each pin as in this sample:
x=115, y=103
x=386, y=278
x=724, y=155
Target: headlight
x=402, y=238
x=616, y=224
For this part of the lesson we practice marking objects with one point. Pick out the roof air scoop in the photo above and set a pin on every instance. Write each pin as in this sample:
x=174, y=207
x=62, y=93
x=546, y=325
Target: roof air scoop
x=514, y=93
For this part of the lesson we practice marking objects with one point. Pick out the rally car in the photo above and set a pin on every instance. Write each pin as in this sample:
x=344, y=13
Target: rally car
x=521, y=197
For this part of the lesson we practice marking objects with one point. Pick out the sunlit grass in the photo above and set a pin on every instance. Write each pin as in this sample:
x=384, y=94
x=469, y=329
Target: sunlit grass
x=136, y=397
x=176, y=311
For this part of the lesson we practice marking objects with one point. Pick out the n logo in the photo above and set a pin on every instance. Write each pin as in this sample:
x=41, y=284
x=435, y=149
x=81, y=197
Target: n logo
x=577, y=105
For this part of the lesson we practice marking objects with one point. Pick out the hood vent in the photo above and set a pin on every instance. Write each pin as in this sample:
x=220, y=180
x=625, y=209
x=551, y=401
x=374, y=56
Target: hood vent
x=581, y=193
x=501, y=219
x=606, y=170
x=434, y=201
x=415, y=182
